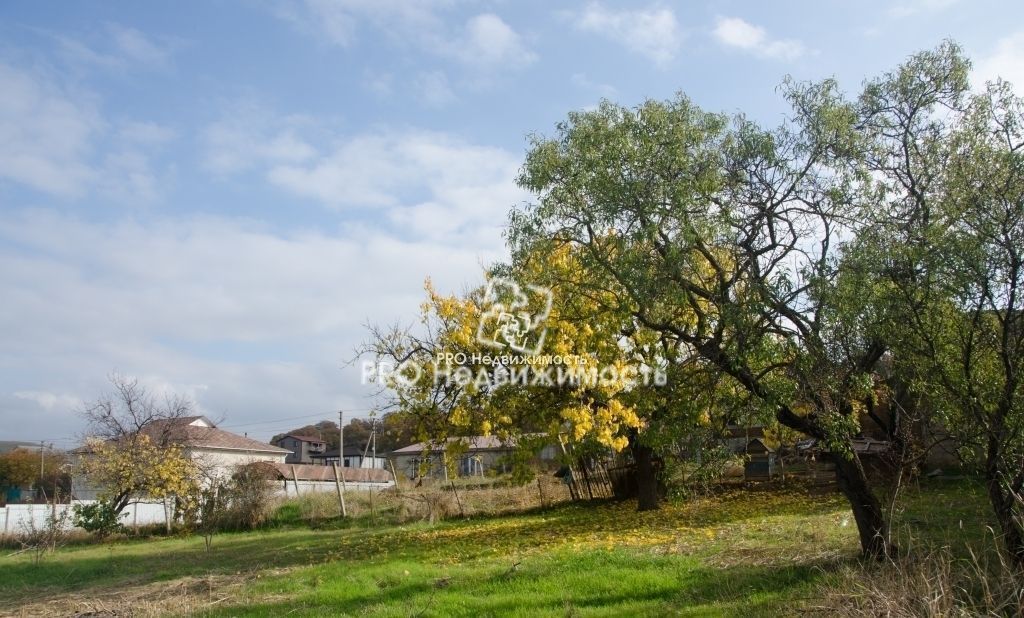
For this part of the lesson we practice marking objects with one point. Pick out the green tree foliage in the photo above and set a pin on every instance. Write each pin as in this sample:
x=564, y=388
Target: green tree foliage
x=948, y=178
x=725, y=239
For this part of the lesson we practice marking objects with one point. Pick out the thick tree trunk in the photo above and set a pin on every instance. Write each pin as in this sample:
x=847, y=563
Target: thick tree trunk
x=1002, y=500
x=1009, y=526
x=867, y=510
x=854, y=485
x=646, y=477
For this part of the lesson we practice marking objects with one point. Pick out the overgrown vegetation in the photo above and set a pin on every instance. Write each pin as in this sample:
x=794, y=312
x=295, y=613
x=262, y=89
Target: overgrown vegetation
x=737, y=552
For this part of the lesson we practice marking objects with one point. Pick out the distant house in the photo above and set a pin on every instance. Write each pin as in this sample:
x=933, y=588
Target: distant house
x=298, y=479
x=301, y=448
x=6, y=446
x=482, y=454
x=15, y=493
x=217, y=452
x=353, y=458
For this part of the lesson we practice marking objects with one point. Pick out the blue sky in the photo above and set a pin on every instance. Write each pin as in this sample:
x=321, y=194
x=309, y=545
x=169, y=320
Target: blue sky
x=215, y=197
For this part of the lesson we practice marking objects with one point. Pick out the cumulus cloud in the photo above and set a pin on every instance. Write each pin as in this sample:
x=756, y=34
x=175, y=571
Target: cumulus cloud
x=1006, y=60
x=249, y=135
x=50, y=401
x=484, y=42
x=427, y=184
x=54, y=139
x=433, y=88
x=488, y=42
x=252, y=323
x=119, y=48
x=917, y=7
x=653, y=32
x=735, y=32
x=46, y=133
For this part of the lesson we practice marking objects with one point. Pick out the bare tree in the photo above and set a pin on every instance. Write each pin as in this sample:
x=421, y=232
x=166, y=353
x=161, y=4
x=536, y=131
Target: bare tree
x=130, y=410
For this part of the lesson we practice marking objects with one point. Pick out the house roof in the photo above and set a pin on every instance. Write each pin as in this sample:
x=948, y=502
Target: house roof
x=757, y=445
x=476, y=443
x=306, y=472
x=199, y=432
x=350, y=451
x=303, y=438
x=7, y=446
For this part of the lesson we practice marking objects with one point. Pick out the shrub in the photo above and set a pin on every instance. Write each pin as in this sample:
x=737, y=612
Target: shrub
x=41, y=540
x=100, y=518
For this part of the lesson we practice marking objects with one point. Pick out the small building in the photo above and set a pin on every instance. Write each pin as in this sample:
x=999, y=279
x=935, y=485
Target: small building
x=302, y=448
x=354, y=457
x=6, y=446
x=737, y=437
x=298, y=479
x=760, y=463
x=217, y=452
x=481, y=455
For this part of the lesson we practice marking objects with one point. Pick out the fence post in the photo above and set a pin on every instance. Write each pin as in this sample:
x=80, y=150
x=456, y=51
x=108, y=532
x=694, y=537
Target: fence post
x=341, y=494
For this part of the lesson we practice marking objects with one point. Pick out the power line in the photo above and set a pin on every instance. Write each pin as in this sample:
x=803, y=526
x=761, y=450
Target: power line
x=292, y=418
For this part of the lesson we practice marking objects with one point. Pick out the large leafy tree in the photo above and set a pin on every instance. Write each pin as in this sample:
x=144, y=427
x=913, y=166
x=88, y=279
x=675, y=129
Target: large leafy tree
x=725, y=238
x=949, y=176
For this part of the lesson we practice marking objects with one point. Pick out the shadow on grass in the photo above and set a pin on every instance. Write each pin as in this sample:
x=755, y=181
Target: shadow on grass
x=623, y=585
x=138, y=563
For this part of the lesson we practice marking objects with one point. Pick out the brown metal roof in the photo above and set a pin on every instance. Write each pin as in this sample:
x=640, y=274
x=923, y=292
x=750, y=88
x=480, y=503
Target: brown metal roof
x=302, y=438
x=181, y=431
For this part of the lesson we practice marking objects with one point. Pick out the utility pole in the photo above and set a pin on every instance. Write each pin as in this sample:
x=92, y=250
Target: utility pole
x=339, y=479
x=341, y=438
x=373, y=437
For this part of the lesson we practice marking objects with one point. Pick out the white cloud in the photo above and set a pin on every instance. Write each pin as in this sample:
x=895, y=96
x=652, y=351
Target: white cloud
x=1006, y=61
x=338, y=21
x=488, y=42
x=135, y=47
x=380, y=83
x=255, y=324
x=735, y=32
x=433, y=88
x=249, y=136
x=432, y=184
x=605, y=90
x=54, y=140
x=50, y=401
x=915, y=7
x=120, y=48
x=46, y=133
x=653, y=32
x=485, y=42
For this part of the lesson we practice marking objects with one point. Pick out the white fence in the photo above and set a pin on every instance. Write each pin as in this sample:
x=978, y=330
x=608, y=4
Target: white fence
x=15, y=518
x=288, y=489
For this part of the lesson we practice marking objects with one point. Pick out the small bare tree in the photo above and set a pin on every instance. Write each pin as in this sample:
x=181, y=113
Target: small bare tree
x=134, y=447
x=41, y=539
x=130, y=410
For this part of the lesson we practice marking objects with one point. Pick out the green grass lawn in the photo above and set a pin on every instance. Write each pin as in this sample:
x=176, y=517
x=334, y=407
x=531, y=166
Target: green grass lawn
x=749, y=553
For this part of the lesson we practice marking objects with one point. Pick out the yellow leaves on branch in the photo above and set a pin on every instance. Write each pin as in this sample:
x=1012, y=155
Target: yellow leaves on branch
x=606, y=423
x=136, y=465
